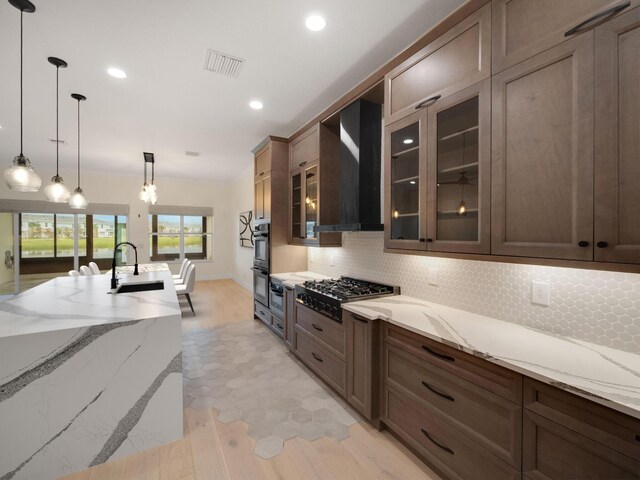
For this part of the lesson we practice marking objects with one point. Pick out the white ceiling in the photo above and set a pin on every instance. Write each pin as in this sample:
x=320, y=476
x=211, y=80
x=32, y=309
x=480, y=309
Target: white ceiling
x=169, y=104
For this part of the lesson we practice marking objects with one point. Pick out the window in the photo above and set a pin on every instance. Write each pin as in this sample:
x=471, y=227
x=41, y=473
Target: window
x=47, y=240
x=174, y=237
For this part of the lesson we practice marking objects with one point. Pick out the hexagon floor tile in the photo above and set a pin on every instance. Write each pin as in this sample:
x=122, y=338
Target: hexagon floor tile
x=246, y=373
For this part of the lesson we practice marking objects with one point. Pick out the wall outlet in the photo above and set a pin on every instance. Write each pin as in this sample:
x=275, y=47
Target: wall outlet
x=433, y=276
x=332, y=259
x=540, y=293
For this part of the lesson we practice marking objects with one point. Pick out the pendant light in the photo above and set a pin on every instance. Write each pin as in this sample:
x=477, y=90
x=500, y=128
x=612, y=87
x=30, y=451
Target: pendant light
x=77, y=199
x=21, y=176
x=57, y=191
x=461, y=211
x=149, y=194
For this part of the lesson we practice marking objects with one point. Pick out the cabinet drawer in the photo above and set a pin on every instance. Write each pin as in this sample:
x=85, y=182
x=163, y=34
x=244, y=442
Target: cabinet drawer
x=617, y=431
x=552, y=451
x=456, y=454
x=459, y=58
x=499, y=380
x=492, y=421
x=331, y=334
x=279, y=325
x=305, y=149
x=262, y=312
x=329, y=367
x=524, y=28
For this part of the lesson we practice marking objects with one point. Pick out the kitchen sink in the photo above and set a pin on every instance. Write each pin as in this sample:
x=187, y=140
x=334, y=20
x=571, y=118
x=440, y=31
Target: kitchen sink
x=144, y=286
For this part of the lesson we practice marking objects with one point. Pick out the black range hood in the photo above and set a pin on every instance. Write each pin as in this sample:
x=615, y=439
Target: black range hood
x=360, y=166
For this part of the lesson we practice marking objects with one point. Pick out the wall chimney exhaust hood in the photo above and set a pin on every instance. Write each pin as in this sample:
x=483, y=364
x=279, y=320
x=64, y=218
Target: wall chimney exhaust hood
x=360, y=166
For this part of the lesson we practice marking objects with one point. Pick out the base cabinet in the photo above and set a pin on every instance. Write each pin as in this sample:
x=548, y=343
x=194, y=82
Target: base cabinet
x=289, y=312
x=362, y=359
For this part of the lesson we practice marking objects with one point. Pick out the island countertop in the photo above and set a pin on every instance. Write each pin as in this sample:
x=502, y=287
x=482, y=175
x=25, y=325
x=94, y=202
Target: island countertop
x=87, y=376
x=73, y=302
x=601, y=374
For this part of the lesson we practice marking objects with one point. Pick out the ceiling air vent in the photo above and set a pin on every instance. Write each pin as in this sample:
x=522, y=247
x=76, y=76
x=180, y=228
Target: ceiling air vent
x=60, y=142
x=192, y=154
x=223, y=63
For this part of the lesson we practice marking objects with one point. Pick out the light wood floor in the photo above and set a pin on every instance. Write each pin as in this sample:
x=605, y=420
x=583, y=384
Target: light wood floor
x=214, y=450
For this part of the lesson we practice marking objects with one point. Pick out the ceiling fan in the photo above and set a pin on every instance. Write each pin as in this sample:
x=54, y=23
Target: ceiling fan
x=462, y=180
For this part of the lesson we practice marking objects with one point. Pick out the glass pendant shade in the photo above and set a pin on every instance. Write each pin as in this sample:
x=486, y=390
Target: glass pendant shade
x=57, y=191
x=77, y=200
x=462, y=209
x=149, y=194
x=153, y=194
x=21, y=176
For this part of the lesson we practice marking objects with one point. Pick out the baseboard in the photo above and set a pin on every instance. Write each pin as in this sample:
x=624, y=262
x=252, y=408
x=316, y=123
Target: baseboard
x=242, y=283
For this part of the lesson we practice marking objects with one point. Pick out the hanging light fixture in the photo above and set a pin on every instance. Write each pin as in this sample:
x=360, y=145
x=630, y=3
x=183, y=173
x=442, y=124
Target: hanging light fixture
x=77, y=199
x=149, y=194
x=21, y=176
x=57, y=191
x=461, y=211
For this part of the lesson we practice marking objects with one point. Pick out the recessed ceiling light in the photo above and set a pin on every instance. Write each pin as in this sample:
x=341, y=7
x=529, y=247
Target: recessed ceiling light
x=116, y=72
x=407, y=141
x=256, y=104
x=315, y=23
x=412, y=182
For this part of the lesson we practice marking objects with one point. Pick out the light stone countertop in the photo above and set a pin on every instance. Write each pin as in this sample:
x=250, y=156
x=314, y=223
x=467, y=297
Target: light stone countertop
x=602, y=374
x=291, y=279
x=83, y=301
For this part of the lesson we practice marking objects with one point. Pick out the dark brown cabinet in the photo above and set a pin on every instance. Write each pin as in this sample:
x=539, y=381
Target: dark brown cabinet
x=524, y=28
x=617, y=149
x=313, y=187
x=362, y=359
x=459, y=58
x=320, y=343
x=616, y=433
x=542, y=170
x=461, y=413
x=263, y=198
x=289, y=312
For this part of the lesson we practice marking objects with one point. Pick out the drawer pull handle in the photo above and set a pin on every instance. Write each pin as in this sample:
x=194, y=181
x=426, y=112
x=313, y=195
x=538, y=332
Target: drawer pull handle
x=427, y=101
x=279, y=326
x=448, y=358
x=302, y=164
x=638, y=437
x=611, y=11
x=317, y=327
x=317, y=357
x=437, y=444
x=443, y=395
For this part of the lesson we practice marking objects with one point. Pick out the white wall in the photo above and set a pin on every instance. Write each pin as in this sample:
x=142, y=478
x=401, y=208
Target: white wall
x=120, y=189
x=599, y=307
x=241, y=194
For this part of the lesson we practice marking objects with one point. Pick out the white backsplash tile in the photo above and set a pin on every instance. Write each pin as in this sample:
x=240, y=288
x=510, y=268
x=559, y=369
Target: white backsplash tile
x=599, y=307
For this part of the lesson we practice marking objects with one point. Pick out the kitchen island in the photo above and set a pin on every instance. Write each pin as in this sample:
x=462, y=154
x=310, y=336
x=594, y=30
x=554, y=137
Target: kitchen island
x=87, y=376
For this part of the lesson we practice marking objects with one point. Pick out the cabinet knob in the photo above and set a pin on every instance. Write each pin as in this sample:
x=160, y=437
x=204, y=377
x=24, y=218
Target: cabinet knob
x=583, y=244
x=429, y=240
x=422, y=239
x=602, y=244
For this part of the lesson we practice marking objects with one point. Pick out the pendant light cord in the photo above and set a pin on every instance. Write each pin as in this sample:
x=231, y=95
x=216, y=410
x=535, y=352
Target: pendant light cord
x=57, y=120
x=78, y=143
x=21, y=48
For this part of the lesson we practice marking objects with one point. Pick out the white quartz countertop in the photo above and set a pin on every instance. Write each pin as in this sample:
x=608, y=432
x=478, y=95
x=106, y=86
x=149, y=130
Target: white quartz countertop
x=72, y=302
x=604, y=375
x=291, y=279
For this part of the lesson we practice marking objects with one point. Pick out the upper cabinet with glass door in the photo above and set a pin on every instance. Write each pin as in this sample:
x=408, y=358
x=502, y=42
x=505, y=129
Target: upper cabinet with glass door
x=405, y=186
x=314, y=187
x=458, y=172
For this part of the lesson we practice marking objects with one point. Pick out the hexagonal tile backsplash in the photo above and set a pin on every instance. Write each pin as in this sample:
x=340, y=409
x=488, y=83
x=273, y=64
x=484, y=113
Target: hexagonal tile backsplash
x=599, y=307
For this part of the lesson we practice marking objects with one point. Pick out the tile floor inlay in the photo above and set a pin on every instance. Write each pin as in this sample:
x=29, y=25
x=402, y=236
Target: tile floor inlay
x=246, y=373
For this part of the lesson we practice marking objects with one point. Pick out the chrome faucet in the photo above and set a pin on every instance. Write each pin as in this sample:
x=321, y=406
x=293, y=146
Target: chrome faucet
x=114, y=280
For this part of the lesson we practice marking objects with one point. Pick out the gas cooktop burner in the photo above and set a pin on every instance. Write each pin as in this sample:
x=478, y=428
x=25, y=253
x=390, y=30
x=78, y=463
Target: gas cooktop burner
x=327, y=296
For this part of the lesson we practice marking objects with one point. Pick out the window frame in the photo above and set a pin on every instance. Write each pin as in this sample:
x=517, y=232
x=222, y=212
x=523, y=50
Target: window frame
x=155, y=256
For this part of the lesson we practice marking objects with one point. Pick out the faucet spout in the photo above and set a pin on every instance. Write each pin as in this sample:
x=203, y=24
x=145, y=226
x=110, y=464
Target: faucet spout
x=114, y=280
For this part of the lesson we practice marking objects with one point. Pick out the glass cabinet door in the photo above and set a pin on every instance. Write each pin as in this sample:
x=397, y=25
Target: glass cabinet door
x=311, y=201
x=457, y=171
x=296, y=205
x=405, y=168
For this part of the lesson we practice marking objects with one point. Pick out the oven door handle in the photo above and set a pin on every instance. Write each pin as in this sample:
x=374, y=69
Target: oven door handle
x=259, y=270
x=277, y=293
x=256, y=235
